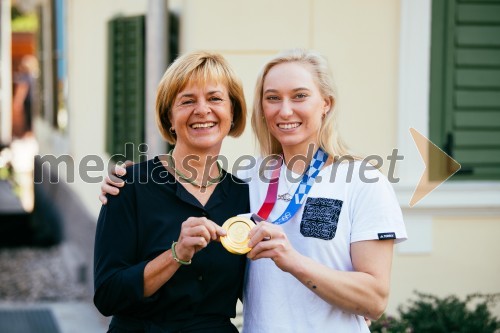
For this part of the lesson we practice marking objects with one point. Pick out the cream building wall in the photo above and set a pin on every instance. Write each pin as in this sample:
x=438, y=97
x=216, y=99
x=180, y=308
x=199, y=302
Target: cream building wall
x=86, y=23
x=462, y=260
x=359, y=38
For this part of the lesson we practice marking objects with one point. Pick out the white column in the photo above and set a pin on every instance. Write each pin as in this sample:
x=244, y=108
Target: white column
x=414, y=85
x=156, y=63
x=5, y=73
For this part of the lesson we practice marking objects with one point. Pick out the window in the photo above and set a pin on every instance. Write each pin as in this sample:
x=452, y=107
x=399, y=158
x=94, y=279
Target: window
x=125, y=105
x=465, y=86
x=126, y=81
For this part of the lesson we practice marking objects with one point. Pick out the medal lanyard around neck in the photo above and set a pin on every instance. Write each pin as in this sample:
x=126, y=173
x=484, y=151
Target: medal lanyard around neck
x=307, y=181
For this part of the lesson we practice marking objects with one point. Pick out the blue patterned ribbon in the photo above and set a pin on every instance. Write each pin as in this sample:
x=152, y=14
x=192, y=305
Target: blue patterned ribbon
x=307, y=181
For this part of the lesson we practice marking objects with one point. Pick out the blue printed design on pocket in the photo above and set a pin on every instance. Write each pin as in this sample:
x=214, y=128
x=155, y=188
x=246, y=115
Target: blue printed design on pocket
x=320, y=218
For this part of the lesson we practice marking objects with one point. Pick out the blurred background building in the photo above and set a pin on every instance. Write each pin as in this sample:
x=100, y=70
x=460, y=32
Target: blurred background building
x=433, y=65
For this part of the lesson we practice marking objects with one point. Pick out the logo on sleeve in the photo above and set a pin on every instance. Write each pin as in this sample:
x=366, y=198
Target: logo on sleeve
x=386, y=235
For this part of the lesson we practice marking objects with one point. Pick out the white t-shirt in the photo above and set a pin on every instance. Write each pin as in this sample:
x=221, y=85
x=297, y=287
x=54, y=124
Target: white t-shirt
x=337, y=212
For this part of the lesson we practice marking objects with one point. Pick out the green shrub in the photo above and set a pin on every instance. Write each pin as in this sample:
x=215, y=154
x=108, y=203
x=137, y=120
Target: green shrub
x=430, y=314
x=389, y=324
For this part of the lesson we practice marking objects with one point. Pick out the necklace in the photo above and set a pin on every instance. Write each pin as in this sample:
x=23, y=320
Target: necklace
x=286, y=196
x=192, y=181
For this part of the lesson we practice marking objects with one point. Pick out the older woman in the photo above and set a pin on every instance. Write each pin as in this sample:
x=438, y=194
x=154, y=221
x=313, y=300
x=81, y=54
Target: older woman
x=157, y=267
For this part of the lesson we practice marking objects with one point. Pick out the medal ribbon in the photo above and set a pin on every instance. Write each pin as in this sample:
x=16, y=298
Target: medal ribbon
x=308, y=179
x=272, y=192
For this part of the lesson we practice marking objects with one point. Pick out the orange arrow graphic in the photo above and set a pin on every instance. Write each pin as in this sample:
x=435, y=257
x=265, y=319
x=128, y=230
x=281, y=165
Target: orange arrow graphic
x=439, y=166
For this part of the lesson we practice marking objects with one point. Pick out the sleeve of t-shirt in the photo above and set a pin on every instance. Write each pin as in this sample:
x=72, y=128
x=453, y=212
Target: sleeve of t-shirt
x=118, y=273
x=374, y=209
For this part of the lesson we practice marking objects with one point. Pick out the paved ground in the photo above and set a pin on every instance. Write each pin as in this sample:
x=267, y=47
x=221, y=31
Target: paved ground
x=35, y=279
x=71, y=317
x=41, y=278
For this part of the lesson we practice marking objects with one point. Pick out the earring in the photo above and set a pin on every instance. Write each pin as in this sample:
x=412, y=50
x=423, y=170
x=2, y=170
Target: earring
x=171, y=130
x=232, y=124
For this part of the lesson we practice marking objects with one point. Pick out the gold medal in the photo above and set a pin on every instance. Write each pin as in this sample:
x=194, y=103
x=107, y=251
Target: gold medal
x=236, y=240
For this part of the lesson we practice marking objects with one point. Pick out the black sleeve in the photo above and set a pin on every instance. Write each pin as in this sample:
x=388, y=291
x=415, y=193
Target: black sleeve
x=118, y=271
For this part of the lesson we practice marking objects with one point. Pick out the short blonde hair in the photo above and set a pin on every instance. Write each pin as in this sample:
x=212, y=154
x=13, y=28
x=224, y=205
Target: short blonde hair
x=328, y=136
x=203, y=67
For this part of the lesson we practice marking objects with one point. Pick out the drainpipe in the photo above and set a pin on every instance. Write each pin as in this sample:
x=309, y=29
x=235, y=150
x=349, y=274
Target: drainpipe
x=156, y=63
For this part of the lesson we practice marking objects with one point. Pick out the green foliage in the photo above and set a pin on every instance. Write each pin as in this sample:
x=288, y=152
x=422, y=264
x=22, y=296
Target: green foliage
x=389, y=324
x=431, y=314
x=6, y=170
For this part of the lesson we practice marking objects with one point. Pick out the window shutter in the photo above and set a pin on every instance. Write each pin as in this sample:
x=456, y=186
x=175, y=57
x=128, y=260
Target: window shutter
x=125, y=105
x=465, y=85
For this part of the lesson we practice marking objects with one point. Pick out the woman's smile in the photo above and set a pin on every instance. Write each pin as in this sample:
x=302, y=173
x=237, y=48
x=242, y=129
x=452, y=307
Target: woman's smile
x=205, y=125
x=288, y=126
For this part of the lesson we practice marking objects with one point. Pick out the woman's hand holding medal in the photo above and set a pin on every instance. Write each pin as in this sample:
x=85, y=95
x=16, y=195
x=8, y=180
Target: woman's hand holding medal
x=268, y=240
x=196, y=233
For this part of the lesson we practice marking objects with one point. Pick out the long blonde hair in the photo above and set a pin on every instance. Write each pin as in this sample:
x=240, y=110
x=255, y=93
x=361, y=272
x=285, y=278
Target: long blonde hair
x=328, y=137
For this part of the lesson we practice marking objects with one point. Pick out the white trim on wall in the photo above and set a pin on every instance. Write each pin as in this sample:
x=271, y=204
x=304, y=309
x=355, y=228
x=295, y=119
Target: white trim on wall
x=413, y=111
x=413, y=103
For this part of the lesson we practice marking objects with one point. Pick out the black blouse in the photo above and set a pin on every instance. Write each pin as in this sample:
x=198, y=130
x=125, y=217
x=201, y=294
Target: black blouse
x=141, y=223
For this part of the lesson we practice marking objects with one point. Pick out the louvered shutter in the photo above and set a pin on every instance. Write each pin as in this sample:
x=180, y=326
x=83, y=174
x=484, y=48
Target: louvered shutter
x=125, y=105
x=465, y=84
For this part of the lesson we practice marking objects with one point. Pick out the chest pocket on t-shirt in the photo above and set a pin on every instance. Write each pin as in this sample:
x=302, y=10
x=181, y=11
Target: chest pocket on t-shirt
x=320, y=218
